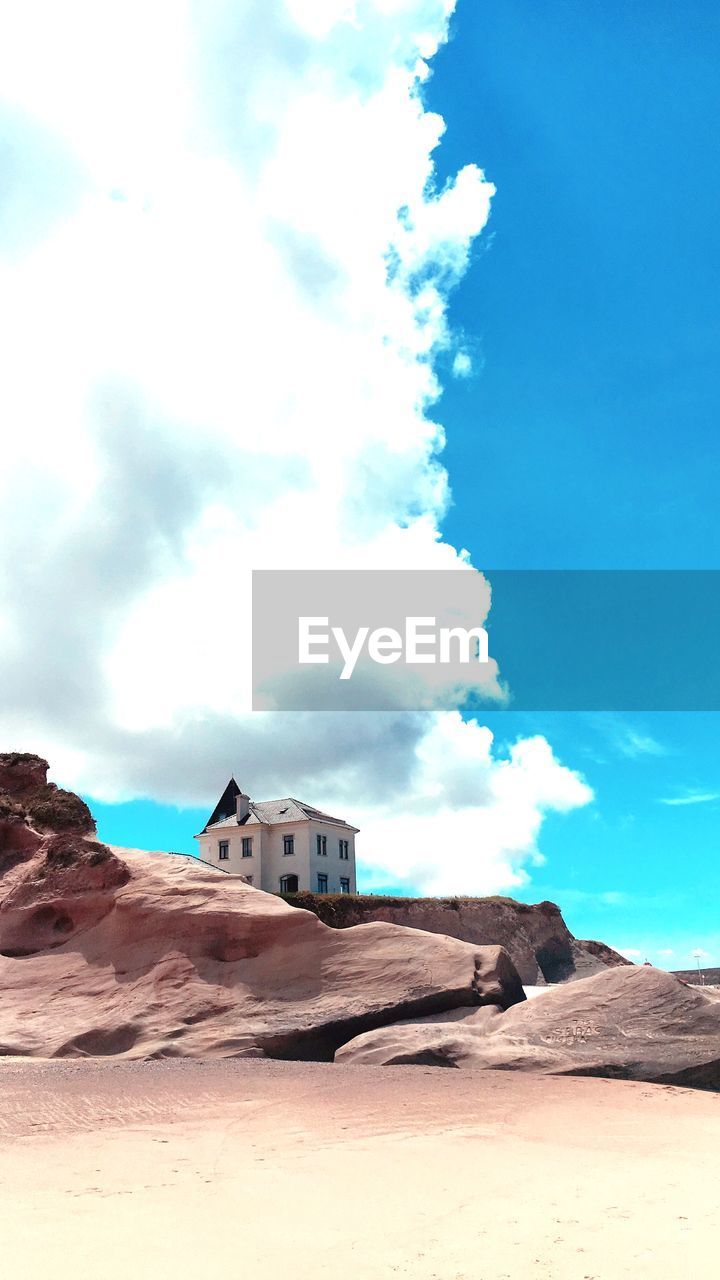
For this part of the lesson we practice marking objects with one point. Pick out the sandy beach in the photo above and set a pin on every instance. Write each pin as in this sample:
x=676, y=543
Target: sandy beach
x=192, y=1170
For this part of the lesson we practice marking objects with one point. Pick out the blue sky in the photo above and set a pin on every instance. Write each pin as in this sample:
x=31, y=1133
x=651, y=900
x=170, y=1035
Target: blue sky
x=592, y=432
x=590, y=439
x=231, y=380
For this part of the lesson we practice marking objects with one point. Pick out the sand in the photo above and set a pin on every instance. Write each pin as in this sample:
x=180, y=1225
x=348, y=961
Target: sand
x=187, y=1170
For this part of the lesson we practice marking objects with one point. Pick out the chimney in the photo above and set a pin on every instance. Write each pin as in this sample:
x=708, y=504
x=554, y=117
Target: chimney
x=242, y=806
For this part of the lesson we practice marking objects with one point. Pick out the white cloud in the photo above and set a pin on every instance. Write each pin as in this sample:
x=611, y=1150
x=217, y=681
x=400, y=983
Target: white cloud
x=630, y=953
x=219, y=351
x=485, y=812
x=692, y=797
x=631, y=743
x=462, y=365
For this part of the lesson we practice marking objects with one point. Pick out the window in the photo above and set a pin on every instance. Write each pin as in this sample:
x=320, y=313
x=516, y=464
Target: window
x=288, y=845
x=344, y=884
x=247, y=847
x=322, y=884
x=288, y=884
x=223, y=850
x=321, y=845
x=344, y=851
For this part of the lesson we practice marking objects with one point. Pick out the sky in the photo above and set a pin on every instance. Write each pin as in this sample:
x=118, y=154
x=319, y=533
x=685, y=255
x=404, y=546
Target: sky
x=359, y=285
x=588, y=438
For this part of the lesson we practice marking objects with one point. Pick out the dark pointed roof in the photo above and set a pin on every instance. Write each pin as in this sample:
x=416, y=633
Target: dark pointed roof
x=225, y=807
x=266, y=812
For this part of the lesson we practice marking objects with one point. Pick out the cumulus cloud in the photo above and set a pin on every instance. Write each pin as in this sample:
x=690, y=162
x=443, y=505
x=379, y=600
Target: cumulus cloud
x=468, y=821
x=220, y=328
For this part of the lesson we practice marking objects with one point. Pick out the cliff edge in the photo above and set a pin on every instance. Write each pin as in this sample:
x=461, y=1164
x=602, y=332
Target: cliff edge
x=536, y=937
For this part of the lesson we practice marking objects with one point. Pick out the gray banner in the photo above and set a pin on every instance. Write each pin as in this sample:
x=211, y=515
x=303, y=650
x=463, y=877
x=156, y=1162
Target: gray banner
x=370, y=640
x=554, y=640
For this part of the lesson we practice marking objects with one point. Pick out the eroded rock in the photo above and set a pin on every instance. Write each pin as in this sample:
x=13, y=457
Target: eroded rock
x=185, y=961
x=636, y=1023
x=23, y=783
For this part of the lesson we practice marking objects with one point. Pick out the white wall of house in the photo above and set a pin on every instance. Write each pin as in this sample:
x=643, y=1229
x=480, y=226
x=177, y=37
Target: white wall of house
x=250, y=867
x=331, y=864
x=269, y=863
x=276, y=863
x=210, y=850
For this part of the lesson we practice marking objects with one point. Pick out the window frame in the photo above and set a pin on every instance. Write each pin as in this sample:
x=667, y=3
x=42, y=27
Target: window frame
x=223, y=850
x=322, y=877
x=288, y=839
x=247, y=840
x=344, y=884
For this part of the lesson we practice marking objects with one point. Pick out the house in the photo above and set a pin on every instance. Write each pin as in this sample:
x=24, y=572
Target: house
x=281, y=846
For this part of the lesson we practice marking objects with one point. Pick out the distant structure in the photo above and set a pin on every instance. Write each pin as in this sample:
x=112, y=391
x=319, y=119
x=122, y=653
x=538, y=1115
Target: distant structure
x=699, y=977
x=282, y=846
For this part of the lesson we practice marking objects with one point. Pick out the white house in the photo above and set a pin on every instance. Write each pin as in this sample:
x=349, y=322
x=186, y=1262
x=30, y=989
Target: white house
x=281, y=846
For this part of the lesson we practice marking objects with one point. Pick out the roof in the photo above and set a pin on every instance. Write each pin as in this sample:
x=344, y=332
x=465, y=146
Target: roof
x=231, y=822
x=225, y=806
x=290, y=810
x=272, y=812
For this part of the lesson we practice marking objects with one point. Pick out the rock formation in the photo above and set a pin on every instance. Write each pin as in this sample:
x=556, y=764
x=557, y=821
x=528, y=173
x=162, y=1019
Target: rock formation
x=636, y=1023
x=539, y=942
x=25, y=791
x=113, y=951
